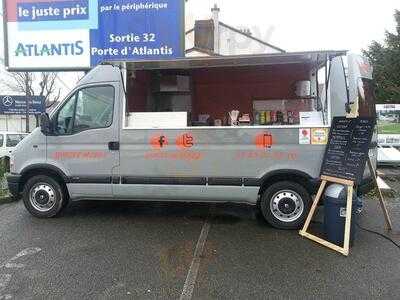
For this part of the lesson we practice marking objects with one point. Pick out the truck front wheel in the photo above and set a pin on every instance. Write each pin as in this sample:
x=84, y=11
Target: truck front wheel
x=43, y=196
x=285, y=205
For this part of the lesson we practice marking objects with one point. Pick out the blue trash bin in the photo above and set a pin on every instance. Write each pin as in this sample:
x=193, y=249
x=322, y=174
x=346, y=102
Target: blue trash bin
x=335, y=202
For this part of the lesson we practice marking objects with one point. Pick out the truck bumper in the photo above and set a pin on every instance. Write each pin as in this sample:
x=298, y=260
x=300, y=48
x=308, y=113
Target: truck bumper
x=13, y=181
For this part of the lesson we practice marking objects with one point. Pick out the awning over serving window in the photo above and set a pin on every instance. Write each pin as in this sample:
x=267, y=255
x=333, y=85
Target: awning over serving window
x=313, y=57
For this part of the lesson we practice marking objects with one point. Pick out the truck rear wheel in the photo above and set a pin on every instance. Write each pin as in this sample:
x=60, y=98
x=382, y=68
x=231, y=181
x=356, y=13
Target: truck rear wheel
x=43, y=196
x=285, y=205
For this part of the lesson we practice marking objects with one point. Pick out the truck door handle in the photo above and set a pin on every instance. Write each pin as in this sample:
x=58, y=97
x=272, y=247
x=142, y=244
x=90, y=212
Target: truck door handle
x=113, y=146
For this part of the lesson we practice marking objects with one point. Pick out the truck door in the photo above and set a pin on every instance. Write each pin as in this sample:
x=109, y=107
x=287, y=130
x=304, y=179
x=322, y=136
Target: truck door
x=86, y=140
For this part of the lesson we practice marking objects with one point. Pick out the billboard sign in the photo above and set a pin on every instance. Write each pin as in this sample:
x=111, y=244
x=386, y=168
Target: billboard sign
x=80, y=34
x=16, y=105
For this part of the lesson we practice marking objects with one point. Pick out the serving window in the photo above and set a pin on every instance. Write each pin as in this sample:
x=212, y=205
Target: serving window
x=247, y=96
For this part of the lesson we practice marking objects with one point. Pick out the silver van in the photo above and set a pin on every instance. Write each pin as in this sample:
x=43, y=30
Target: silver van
x=245, y=129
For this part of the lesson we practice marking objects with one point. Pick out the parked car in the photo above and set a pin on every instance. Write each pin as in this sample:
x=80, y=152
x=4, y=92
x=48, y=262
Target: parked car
x=8, y=141
x=388, y=156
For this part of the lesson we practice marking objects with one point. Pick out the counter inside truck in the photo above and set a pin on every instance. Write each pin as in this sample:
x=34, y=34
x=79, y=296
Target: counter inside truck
x=275, y=93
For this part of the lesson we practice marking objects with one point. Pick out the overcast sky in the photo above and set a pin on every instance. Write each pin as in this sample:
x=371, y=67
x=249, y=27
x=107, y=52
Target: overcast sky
x=308, y=24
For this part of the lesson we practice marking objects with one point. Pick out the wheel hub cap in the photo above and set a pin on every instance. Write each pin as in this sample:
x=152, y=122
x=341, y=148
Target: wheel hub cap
x=287, y=206
x=42, y=197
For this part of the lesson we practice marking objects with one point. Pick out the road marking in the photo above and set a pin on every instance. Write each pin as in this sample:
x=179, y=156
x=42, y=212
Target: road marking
x=195, y=265
x=28, y=251
x=12, y=265
x=5, y=279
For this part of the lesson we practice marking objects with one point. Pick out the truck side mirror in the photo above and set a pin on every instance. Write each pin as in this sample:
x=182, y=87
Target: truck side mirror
x=45, y=123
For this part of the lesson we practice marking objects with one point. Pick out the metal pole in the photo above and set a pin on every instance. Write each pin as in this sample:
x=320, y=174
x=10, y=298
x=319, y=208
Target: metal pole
x=27, y=92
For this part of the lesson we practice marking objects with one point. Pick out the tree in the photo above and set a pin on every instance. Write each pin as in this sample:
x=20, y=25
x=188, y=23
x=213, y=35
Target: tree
x=385, y=59
x=30, y=84
x=27, y=83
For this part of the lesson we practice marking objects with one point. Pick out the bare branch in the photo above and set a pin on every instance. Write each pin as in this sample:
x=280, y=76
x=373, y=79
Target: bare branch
x=46, y=87
x=50, y=91
x=55, y=99
x=17, y=82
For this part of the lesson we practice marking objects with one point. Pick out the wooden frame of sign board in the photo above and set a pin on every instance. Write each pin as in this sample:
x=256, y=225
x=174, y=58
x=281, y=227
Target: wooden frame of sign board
x=349, y=206
x=350, y=185
x=362, y=146
x=388, y=221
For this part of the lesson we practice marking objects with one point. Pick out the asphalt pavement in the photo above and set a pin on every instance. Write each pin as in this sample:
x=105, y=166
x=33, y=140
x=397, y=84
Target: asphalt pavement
x=126, y=250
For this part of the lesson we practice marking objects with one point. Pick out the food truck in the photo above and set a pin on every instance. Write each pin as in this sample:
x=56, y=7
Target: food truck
x=241, y=129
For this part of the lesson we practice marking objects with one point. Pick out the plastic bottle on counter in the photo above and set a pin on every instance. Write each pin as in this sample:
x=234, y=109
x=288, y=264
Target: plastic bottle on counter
x=273, y=116
x=285, y=117
x=279, y=117
x=262, y=117
x=290, y=117
x=257, y=118
x=267, y=117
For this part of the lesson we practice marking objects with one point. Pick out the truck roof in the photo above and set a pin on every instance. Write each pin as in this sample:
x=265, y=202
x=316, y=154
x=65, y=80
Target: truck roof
x=309, y=57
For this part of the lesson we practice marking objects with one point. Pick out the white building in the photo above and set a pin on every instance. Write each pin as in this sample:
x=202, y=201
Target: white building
x=16, y=123
x=213, y=37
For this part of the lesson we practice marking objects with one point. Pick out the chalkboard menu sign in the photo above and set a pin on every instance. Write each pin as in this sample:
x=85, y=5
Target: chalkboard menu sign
x=347, y=151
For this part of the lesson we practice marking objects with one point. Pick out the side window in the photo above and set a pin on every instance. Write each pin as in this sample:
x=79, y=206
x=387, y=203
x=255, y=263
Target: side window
x=13, y=139
x=1, y=140
x=65, y=116
x=94, y=108
x=88, y=108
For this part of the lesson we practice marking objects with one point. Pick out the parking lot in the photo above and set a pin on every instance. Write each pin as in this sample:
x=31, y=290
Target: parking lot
x=168, y=251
